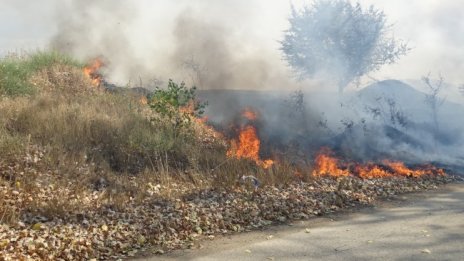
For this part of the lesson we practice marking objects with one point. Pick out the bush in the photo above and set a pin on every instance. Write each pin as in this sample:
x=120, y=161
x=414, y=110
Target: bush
x=177, y=104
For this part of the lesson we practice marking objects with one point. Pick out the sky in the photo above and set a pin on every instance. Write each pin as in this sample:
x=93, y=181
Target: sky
x=147, y=32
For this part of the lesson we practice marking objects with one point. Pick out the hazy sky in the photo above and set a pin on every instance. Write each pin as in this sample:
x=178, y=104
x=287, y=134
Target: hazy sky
x=435, y=29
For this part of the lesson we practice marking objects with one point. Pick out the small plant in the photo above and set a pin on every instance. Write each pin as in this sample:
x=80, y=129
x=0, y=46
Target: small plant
x=177, y=103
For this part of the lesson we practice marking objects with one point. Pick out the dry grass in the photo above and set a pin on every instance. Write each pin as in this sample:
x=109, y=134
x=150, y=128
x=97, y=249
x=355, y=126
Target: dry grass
x=71, y=148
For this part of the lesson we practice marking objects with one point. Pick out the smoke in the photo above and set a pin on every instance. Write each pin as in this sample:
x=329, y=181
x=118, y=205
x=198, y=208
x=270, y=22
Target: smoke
x=89, y=29
x=182, y=41
x=139, y=33
x=213, y=58
x=234, y=45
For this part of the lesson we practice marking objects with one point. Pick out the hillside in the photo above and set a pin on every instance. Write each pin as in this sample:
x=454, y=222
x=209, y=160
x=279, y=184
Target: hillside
x=411, y=101
x=89, y=173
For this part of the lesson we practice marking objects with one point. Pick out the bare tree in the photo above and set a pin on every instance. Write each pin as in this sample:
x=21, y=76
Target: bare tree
x=432, y=98
x=340, y=39
x=196, y=71
x=388, y=111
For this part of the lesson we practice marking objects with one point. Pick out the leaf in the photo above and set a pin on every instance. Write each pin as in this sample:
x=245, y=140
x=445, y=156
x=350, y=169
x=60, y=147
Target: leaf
x=141, y=240
x=104, y=228
x=159, y=252
x=37, y=226
x=4, y=243
x=426, y=251
x=307, y=231
x=248, y=251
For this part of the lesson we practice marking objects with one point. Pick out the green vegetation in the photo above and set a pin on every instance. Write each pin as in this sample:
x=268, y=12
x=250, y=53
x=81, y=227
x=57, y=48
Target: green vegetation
x=177, y=104
x=15, y=71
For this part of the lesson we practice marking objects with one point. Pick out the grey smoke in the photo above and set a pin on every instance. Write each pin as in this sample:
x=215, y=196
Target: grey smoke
x=192, y=43
x=234, y=45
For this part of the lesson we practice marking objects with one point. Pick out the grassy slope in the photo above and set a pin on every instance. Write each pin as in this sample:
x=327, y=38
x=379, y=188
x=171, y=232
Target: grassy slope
x=57, y=129
x=101, y=174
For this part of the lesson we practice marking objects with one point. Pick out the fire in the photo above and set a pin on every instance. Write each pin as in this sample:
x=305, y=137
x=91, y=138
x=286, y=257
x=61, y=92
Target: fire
x=249, y=114
x=326, y=164
x=401, y=169
x=248, y=144
x=371, y=171
x=91, y=71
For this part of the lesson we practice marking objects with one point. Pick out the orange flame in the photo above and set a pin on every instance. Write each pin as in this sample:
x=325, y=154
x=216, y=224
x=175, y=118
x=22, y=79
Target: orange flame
x=91, y=71
x=371, y=171
x=248, y=144
x=401, y=169
x=249, y=114
x=327, y=165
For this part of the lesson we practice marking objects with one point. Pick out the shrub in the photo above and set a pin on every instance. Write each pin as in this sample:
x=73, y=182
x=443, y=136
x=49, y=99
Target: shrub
x=177, y=104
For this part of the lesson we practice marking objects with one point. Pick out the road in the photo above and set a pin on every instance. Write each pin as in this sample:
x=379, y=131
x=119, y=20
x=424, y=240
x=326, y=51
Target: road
x=424, y=226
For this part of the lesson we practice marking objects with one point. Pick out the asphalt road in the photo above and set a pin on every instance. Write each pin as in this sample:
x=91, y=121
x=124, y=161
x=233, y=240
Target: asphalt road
x=425, y=226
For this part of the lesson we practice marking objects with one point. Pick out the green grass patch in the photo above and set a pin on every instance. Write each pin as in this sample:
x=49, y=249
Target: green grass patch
x=15, y=71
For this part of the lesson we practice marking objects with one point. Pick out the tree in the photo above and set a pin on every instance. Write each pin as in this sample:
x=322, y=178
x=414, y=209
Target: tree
x=340, y=39
x=432, y=98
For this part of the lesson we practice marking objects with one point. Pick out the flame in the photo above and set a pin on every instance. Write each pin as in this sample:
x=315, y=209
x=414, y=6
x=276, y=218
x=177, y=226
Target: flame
x=249, y=114
x=91, y=71
x=248, y=144
x=401, y=169
x=202, y=120
x=325, y=164
x=143, y=100
x=371, y=171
